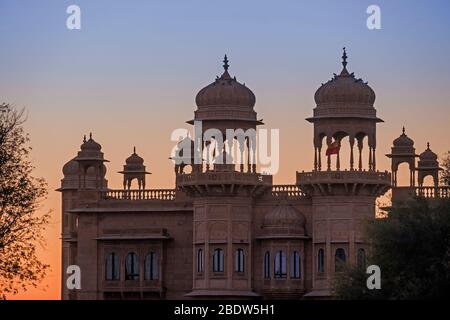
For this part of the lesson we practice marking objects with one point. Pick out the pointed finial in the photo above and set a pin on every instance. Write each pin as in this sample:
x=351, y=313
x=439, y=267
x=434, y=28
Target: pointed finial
x=134, y=149
x=403, y=130
x=90, y=135
x=344, y=58
x=428, y=145
x=84, y=138
x=225, y=63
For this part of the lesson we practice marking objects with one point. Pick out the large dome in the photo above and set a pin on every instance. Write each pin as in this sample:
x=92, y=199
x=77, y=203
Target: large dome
x=284, y=219
x=346, y=90
x=134, y=159
x=225, y=91
x=428, y=155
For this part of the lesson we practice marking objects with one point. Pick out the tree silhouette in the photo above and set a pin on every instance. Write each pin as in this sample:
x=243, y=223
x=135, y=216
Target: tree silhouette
x=445, y=174
x=20, y=196
x=411, y=245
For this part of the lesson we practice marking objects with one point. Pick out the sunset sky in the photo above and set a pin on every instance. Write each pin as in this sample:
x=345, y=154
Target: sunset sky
x=130, y=76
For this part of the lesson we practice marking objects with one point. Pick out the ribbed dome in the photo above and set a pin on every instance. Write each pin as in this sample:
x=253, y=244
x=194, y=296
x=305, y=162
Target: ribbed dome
x=134, y=159
x=225, y=91
x=403, y=140
x=70, y=168
x=284, y=218
x=428, y=155
x=345, y=89
x=90, y=145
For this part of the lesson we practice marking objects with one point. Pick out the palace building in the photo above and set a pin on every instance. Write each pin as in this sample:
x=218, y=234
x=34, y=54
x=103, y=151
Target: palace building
x=226, y=231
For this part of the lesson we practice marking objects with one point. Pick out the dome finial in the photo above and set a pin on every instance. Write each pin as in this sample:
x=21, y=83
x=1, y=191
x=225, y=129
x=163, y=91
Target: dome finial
x=84, y=138
x=90, y=135
x=403, y=130
x=344, y=58
x=225, y=63
x=428, y=145
x=134, y=149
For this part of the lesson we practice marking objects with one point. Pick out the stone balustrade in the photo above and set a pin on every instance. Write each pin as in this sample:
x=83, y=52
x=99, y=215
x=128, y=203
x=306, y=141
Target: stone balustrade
x=148, y=194
x=433, y=192
x=290, y=191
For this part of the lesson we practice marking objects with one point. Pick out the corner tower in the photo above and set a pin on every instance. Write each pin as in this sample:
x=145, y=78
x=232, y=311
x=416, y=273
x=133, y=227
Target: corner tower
x=342, y=198
x=223, y=188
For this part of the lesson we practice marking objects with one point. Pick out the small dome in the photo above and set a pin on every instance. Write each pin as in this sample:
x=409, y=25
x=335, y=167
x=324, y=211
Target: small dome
x=90, y=145
x=70, y=168
x=134, y=159
x=403, y=140
x=346, y=90
x=285, y=218
x=428, y=155
x=225, y=91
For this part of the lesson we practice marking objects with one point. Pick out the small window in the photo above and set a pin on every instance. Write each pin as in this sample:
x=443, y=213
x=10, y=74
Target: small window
x=240, y=260
x=112, y=267
x=339, y=260
x=361, y=258
x=267, y=265
x=200, y=261
x=218, y=263
x=280, y=265
x=151, y=267
x=321, y=261
x=131, y=266
x=295, y=265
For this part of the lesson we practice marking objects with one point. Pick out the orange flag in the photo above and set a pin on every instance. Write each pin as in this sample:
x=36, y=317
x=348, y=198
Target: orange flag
x=333, y=148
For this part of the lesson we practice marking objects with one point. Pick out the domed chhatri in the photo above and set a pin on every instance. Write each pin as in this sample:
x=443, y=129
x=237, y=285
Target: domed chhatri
x=90, y=145
x=403, y=140
x=134, y=168
x=134, y=159
x=225, y=91
x=346, y=90
x=428, y=155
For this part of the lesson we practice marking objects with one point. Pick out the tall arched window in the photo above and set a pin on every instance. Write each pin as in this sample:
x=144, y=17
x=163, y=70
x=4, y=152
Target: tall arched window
x=339, y=260
x=131, y=266
x=295, y=265
x=239, y=260
x=267, y=265
x=200, y=261
x=112, y=267
x=280, y=265
x=361, y=258
x=218, y=263
x=151, y=266
x=321, y=261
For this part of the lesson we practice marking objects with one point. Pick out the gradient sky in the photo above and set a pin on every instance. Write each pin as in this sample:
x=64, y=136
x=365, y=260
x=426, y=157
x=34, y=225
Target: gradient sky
x=130, y=76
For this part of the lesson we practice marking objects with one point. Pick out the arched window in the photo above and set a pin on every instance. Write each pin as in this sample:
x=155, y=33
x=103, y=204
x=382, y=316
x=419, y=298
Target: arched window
x=151, y=266
x=240, y=260
x=131, y=266
x=339, y=260
x=320, y=261
x=267, y=265
x=280, y=265
x=218, y=263
x=112, y=267
x=200, y=260
x=295, y=265
x=361, y=258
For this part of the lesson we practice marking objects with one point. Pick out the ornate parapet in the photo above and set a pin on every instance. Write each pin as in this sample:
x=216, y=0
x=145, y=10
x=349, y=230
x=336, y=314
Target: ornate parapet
x=353, y=182
x=223, y=183
x=433, y=192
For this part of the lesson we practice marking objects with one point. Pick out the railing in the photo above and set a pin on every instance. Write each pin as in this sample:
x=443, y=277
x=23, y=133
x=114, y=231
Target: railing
x=148, y=194
x=325, y=176
x=212, y=177
x=287, y=192
x=433, y=192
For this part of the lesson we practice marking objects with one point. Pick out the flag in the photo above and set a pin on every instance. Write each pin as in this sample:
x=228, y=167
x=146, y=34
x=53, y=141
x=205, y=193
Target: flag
x=333, y=148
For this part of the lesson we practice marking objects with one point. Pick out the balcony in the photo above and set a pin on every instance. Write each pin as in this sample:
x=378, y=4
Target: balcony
x=353, y=182
x=223, y=183
x=433, y=192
